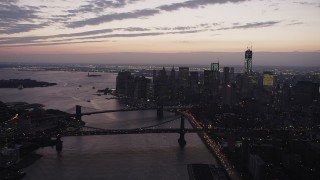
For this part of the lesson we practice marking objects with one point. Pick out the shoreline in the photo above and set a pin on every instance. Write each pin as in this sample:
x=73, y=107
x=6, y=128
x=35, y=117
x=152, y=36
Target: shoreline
x=27, y=147
x=23, y=83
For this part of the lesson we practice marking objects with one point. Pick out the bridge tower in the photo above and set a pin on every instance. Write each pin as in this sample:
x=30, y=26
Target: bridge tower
x=181, y=139
x=59, y=145
x=78, y=112
x=160, y=109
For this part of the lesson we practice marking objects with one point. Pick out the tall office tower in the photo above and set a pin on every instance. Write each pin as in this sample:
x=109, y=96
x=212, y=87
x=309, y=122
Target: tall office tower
x=140, y=87
x=172, y=75
x=162, y=77
x=268, y=80
x=248, y=62
x=208, y=80
x=232, y=77
x=215, y=81
x=154, y=76
x=215, y=69
x=194, y=82
x=161, y=84
x=215, y=66
x=211, y=79
x=229, y=94
x=229, y=89
x=226, y=75
x=125, y=84
x=163, y=73
x=201, y=78
x=172, y=84
x=184, y=77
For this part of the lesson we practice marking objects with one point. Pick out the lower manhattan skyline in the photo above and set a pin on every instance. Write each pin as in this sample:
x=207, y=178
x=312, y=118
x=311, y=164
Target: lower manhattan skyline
x=115, y=31
x=172, y=89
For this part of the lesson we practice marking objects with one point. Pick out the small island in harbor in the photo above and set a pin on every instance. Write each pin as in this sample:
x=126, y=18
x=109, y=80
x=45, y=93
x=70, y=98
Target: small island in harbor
x=23, y=83
x=93, y=75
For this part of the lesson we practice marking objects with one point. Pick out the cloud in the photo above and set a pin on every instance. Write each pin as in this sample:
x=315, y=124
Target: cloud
x=133, y=29
x=131, y=32
x=308, y=3
x=192, y=4
x=35, y=38
x=124, y=35
x=39, y=40
x=83, y=39
x=31, y=39
x=11, y=13
x=294, y=22
x=86, y=33
x=185, y=32
x=146, y=12
x=91, y=6
x=18, y=28
x=199, y=26
x=113, y=17
x=8, y=1
x=50, y=43
x=16, y=19
x=97, y=6
x=251, y=25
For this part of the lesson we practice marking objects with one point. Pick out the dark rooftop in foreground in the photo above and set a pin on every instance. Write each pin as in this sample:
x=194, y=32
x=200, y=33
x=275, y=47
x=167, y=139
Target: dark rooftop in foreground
x=206, y=172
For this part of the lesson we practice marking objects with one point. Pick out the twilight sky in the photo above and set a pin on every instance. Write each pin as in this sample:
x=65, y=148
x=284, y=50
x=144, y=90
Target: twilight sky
x=105, y=31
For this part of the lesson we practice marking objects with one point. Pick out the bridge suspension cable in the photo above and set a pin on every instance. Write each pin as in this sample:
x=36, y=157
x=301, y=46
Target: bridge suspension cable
x=89, y=108
x=156, y=125
x=145, y=127
x=70, y=110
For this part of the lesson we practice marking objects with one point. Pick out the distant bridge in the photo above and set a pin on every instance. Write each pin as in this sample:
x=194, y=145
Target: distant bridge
x=88, y=131
x=159, y=109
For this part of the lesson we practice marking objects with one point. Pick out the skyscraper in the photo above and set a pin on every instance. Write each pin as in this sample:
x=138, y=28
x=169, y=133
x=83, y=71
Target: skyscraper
x=172, y=75
x=125, y=84
x=226, y=75
x=248, y=62
x=172, y=84
x=140, y=87
x=194, y=82
x=268, y=80
x=229, y=94
x=161, y=84
x=216, y=77
x=215, y=66
x=211, y=79
x=184, y=77
x=232, y=78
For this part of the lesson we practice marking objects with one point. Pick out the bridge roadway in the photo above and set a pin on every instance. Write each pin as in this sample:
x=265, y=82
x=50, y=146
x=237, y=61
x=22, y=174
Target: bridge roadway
x=133, y=109
x=97, y=131
x=111, y=111
x=116, y=110
x=126, y=131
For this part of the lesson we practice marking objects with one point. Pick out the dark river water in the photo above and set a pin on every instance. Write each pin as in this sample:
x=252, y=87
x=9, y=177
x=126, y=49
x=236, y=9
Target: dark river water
x=143, y=156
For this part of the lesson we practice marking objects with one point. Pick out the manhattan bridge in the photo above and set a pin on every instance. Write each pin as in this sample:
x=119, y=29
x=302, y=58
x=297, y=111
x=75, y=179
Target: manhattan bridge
x=88, y=131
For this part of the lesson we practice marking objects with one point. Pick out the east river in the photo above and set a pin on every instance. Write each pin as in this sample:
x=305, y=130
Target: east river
x=142, y=156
